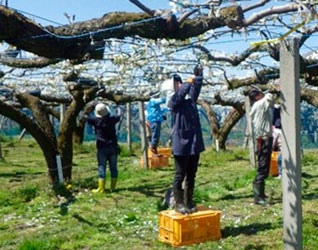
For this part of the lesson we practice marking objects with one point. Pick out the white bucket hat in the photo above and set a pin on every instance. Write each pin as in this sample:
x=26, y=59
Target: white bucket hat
x=101, y=110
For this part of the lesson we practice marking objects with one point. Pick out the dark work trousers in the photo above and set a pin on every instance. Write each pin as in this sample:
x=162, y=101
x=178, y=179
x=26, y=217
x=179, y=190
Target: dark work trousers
x=185, y=167
x=264, y=151
x=155, y=128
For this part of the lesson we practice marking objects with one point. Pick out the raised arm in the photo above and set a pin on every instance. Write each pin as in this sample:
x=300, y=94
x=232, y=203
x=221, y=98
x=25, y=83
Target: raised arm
x=196, y=88
x=179, y=95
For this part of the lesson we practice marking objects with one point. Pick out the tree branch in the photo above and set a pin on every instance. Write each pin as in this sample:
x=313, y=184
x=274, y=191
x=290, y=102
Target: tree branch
x=143, y=7
x=28, y=63
x=271, y=11
x=256, y=5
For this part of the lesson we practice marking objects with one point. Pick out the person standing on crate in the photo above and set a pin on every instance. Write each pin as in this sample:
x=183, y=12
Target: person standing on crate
x=155, y=117
x=262, y=126
x=106, y=143
x=187, y=141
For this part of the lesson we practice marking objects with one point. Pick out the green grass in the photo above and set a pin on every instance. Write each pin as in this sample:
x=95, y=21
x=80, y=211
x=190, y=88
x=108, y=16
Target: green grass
x=35, y=216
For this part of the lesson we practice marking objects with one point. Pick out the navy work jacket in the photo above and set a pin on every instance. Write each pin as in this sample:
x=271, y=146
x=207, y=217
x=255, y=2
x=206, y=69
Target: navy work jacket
x=187, y=135
x=105, y=130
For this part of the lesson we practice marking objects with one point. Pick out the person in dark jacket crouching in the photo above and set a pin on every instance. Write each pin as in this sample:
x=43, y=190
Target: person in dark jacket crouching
x=106, y=143
x=187, y=141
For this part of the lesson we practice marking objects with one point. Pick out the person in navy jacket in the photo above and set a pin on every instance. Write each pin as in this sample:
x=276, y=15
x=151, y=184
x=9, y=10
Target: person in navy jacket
x=106, y=143
x=187, y=141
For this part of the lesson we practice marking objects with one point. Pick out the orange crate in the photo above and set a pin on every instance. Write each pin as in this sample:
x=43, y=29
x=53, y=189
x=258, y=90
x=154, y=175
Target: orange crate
x=273, y=169
x=155, y=161
x=163, y=151
x=179, y=230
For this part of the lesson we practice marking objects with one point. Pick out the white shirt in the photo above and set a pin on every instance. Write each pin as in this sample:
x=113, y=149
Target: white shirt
x=261, y=116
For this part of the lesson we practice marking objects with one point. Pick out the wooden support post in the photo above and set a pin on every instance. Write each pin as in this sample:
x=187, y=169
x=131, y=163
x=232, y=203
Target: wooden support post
x=250, y=132
x=291, y=176
x=217, y=148
x=1, y=124
x=1, y=156
x=246, y=137
x=143, y=133
x=128, y=123
x=59, y=168
x=62, y=112
x=22, y=134
x=3, y=118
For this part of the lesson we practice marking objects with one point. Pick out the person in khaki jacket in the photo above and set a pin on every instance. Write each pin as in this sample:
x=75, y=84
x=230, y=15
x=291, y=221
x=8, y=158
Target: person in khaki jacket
x=262, y=127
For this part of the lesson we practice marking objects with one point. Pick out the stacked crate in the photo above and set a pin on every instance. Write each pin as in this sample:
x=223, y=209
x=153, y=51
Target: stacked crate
x=157, y=161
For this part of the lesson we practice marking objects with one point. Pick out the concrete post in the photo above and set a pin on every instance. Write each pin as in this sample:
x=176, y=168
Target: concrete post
x=250, y=132
x=290, y=115
x=128, y=123
x=143, y=133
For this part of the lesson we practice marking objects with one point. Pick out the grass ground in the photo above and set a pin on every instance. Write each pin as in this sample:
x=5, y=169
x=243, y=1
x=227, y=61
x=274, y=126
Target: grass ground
x=33, y=216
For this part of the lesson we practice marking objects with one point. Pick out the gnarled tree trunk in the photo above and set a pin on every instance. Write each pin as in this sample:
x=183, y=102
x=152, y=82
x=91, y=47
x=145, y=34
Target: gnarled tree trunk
x=218, y=132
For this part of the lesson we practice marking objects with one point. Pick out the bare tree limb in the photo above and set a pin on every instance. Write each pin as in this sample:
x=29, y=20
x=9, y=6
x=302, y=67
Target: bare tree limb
x=185, y=16
x=233, y=61
x=256, y=5
x=143, y=7
x=28, y=63
x=271, y=11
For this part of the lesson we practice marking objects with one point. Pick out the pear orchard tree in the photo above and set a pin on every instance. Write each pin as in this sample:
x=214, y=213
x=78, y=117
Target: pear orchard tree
x=148, y=49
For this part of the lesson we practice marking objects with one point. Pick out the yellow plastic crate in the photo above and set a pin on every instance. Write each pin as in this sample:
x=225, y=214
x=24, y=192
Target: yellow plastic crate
x=155, y=161
x=179, y=230
x=162, y=151
x=273, y=169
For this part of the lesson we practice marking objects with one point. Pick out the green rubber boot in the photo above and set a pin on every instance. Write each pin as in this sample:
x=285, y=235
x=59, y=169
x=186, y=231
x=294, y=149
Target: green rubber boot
x=188, y=197
x=180, y=207
x=259, y=194
x=113, y=183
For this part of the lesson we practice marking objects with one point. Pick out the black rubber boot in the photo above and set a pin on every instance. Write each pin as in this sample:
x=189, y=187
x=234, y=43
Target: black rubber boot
x=188, y=197
x=259, y=194
x=180, y=207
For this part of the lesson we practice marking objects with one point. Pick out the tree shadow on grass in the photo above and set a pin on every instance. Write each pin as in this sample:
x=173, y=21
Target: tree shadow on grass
x=234, y=197
x=308, y=176
x=150, y=190
x=310, y=196
x=253, y=247
x=81, y=219
x=65, y=196
x=251, y=229
x=17, y=176
x=102, y=227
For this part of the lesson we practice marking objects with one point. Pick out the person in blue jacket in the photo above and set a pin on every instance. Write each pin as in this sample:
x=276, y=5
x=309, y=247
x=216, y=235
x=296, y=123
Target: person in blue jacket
x=155, y=118
x=106, y=143
x=187, y=141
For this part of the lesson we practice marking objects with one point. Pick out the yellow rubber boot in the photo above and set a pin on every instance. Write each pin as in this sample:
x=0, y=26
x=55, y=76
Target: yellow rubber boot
x=113, y=183
x=101, y=186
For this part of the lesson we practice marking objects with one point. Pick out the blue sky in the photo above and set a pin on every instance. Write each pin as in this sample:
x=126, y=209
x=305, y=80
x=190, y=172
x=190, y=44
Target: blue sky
x=83, y=9
x=88, y=9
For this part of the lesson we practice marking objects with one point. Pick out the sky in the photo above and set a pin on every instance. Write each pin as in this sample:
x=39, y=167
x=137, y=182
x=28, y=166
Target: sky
x=87, y=9
x=83, y=9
